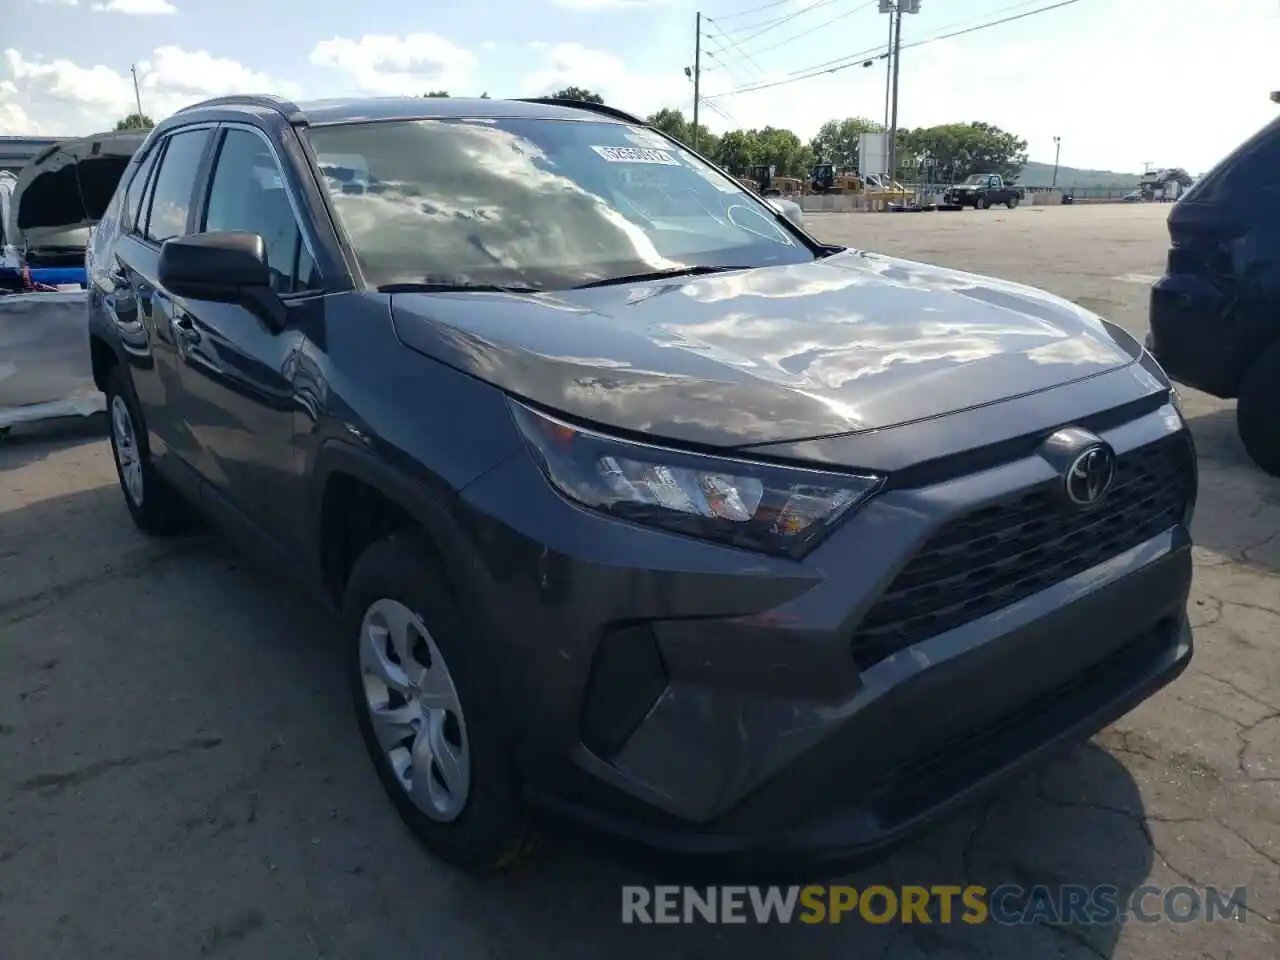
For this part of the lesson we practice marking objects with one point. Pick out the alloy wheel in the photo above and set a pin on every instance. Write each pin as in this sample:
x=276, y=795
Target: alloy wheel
x=128, y=456
x=415, y=710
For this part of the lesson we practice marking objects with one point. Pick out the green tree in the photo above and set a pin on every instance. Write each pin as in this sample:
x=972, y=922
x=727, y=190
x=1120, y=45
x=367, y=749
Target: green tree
x=737, y=150
x=673, y=124
x=136, y=121
x=784, y=151
x=578, y=93
x=837, y=140
x=960, y=149
x=437, y=93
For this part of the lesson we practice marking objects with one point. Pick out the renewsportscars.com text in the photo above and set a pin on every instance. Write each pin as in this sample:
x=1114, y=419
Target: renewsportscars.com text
x=1006, y=905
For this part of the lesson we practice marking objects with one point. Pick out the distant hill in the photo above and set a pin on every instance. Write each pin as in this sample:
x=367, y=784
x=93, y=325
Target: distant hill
x=1036, y=174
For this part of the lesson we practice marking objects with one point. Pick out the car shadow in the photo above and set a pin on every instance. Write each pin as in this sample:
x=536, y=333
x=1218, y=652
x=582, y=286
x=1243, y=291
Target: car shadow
x=29, y=442
x=1238, y=512
x=280, y=806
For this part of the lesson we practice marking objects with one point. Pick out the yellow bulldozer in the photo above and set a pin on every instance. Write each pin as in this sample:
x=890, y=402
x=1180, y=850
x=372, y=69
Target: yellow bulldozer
x=824, y=178
x=768, y=185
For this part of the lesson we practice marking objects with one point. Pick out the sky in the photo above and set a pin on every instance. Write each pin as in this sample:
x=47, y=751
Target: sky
x=1123, y=83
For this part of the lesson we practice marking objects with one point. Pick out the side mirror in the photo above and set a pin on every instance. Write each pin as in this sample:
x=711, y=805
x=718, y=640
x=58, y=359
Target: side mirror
x=789, y=209
x=225, y=267
x=222, y=267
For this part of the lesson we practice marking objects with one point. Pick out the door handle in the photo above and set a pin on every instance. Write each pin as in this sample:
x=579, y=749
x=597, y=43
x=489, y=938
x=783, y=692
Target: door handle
x=186, y=329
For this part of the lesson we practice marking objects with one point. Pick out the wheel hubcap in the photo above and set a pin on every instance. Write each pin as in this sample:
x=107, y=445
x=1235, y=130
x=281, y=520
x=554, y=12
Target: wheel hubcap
x=417, y=716
x=125, y=443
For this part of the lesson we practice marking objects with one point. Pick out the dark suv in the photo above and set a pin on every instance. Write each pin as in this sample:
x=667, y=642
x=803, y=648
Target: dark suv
x=641, y=506
x=1215, y=314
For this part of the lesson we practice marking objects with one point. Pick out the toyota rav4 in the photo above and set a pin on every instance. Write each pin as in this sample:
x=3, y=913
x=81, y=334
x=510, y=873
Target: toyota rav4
x=640, y=506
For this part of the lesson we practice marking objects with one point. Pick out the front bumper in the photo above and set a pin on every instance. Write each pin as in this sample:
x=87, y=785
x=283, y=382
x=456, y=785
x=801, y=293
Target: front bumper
x=768, y=738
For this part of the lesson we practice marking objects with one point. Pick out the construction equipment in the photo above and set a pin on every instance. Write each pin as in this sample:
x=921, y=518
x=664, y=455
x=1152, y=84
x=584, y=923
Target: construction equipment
x=769, y=185
x=823, y=178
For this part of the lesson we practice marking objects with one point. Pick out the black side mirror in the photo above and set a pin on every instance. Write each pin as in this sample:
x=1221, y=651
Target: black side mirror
x=225, y=267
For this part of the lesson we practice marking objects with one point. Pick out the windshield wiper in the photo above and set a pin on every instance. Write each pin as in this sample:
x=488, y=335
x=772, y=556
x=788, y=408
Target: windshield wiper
x=658, y=275
x=454, y=286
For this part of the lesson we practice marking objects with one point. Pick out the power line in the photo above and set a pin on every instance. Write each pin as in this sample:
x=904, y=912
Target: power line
x=722, y=39
x=868, y=56
x=814, y=29
x=743, y=13
x=764, y=26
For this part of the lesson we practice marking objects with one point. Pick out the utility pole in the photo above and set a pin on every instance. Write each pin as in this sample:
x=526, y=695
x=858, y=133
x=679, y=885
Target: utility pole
x=137, y=97
x=893, y=116
x=1057, y=152
x=896, y=10
x=697, y=75
x=888, y=7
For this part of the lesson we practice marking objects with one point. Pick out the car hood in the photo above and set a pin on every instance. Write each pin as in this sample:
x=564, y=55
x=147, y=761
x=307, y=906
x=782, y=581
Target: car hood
x=852, y=342
x=66, y=187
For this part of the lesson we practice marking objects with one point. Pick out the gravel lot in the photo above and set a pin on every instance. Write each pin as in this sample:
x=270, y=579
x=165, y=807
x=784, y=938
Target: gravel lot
x=181, y=776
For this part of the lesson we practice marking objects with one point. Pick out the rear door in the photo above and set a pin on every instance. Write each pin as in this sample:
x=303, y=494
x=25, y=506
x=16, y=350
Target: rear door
x=239, y=373
x=158, y=206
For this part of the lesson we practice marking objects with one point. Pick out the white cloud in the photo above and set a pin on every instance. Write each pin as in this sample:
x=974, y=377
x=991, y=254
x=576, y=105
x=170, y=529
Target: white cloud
x=90, y=98
x=572, y=64
x=138, y=8
x=607, y=4
x=61, y=3
x=488, y=44
x=405, y=65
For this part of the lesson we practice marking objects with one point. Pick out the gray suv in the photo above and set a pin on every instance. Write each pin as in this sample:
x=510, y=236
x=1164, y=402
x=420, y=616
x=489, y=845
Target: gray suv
x=641, y=507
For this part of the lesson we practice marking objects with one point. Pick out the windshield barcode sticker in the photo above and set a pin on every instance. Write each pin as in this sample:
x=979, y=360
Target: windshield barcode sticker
x=636, y=155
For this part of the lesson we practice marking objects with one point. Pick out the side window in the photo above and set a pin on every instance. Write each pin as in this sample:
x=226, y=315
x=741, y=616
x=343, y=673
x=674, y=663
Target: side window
x=138, y=188
x=174, y=185
x=248, y=194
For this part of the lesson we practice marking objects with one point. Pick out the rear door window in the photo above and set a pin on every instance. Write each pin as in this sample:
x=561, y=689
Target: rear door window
x=138, y=188
x=175, y=184
x=1251, y=174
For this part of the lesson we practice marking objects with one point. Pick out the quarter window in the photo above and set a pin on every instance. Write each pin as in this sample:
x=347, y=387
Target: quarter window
x=174, y=185
x=248, y=194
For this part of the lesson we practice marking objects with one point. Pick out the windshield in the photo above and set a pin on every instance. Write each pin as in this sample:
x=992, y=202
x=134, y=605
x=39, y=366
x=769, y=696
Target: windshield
x=541, y=203
x=977, y=178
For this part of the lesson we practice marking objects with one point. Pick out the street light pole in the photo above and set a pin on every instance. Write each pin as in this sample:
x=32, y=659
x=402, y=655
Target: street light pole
x=1057, y=152
x=137, y=97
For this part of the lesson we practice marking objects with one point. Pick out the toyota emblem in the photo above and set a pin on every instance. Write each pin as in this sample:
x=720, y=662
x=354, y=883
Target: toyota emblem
x=1090, y=474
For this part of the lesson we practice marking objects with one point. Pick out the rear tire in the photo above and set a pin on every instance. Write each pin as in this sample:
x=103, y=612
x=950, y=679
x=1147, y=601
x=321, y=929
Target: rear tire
x=425, y=696
x=1012, y=202
x=155, y=506
x=1258, y=411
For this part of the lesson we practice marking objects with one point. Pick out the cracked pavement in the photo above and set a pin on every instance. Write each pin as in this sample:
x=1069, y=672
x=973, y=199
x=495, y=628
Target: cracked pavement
x=181, y=777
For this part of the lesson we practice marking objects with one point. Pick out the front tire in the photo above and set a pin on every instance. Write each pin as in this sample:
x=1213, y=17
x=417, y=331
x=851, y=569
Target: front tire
x=425, y=703
x=1258, y=411
x=981, y=204
x=156, y=508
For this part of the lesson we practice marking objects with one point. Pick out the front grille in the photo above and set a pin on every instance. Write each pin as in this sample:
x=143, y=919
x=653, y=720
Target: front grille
x=985, y=561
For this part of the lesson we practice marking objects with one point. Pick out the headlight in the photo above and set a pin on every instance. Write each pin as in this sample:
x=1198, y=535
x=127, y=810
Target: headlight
x=777, y=510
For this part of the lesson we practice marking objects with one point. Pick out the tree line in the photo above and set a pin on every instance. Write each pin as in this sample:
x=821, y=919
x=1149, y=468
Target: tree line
x=949, y=151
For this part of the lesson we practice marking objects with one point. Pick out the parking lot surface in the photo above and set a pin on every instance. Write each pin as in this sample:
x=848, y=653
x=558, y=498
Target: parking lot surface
x=180, y=775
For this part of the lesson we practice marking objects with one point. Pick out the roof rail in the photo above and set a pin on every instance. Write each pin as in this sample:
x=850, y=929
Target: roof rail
x=587, y=105
x=287, y=108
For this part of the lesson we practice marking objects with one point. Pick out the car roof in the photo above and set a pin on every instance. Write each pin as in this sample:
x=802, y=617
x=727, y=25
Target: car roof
x=362, y=109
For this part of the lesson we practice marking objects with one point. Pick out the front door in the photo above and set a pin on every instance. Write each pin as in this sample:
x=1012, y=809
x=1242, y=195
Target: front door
x=238, y=374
